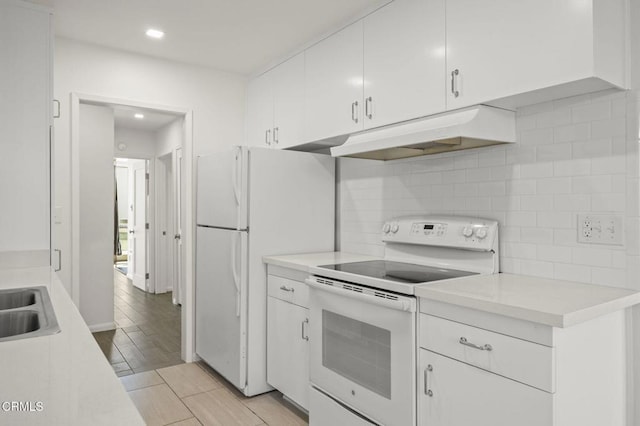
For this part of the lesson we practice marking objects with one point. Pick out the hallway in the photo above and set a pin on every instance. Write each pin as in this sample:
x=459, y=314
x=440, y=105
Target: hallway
x=147, y=336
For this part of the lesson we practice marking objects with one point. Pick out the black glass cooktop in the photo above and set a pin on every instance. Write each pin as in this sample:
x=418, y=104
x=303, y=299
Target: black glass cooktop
x=401, y=272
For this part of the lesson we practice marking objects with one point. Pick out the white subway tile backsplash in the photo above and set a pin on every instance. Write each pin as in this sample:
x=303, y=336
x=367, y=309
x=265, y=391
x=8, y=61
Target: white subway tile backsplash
x=592, y=256
x=591, y=112
x=572, y=156
x=570, y=272
x=556, y=185
x=591, y=184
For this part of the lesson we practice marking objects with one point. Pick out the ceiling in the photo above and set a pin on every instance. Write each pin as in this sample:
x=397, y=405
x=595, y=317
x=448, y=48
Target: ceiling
x=243, y=36
x=153, y=120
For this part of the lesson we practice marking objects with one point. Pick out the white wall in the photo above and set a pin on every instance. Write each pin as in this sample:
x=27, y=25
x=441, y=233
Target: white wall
x=96, y=216
x=216, y=99
x=139, y=143
x=170, y=137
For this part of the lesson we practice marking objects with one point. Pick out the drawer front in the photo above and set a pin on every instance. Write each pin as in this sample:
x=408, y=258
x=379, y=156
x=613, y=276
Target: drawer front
x=288, y=290
x=517, y=359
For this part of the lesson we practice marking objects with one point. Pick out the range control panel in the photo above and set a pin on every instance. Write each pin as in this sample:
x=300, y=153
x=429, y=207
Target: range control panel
x=445, y=231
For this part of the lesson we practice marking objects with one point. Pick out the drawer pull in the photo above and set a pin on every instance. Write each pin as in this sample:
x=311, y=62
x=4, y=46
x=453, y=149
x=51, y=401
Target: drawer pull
x=486, y=347
x=427, y=370
x=285, y=288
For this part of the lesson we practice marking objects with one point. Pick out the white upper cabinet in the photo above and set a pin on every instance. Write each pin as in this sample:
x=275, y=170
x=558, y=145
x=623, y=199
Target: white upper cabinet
x=259, y=127
x=274, y=106
x=25, y=122
x=333, y=86
x=288, y=101
x=404, y=61
x=501, y=48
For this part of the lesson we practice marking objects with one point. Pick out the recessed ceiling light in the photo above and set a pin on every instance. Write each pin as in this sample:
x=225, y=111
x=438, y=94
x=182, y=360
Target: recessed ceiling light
x=153, y=33
x=139, y=116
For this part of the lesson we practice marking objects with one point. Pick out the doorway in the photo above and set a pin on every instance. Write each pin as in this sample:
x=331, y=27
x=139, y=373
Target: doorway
x=127, y=142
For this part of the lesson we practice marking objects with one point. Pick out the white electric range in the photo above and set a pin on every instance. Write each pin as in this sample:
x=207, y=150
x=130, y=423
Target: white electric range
x=363, y=317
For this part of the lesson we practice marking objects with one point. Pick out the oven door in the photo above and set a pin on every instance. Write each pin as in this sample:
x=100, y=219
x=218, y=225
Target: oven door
x=362, y=349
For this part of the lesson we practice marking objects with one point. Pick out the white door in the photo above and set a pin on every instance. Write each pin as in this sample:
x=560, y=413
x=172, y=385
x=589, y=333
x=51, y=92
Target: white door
x=333, y=86
x=288, y=102
x=505, y=47
x=179, y=203
x=221, y=282
x=288, y=369
x=454, y=393
x=221, y=189
x=139, y=228
x=404, y=61
x=259, y=130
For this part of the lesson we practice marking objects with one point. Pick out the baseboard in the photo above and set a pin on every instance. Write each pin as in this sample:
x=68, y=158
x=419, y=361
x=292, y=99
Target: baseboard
x=102, y=327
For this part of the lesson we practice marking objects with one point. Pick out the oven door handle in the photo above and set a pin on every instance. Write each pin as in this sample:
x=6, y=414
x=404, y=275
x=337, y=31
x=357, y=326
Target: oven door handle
x=401, y=304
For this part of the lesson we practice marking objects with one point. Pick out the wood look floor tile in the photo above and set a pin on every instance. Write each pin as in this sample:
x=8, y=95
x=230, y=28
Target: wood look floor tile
x=141, y=380
x=220, y=407
x=189, y=422
x=124, y=373
x=188, y=379
x=274, y=410
x=120, y=366
x=158, y=405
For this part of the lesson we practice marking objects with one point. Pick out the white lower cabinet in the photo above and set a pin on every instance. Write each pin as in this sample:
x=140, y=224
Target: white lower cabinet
x=288, y=339
x=453, y=393
x=483, y=369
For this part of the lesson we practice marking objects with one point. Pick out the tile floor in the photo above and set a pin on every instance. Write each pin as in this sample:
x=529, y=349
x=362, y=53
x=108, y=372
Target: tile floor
x=193, y=394
x=148, y=333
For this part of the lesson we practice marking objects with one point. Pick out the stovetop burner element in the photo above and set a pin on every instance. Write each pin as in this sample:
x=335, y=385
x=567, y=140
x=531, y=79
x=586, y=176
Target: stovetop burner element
x=407, y=273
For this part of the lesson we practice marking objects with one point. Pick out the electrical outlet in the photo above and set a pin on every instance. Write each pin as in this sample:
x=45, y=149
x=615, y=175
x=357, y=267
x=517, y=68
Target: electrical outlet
x=600, y=229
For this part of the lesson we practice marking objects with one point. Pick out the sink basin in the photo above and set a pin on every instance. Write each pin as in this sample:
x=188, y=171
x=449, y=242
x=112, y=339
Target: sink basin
x=26, y=313
x=18, y=322
x=17, y=299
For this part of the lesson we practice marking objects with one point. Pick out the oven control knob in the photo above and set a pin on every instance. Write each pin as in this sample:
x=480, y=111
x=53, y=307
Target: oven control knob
x=467, y=231
x=394, y=228
x=386, y=228
x=481, y=233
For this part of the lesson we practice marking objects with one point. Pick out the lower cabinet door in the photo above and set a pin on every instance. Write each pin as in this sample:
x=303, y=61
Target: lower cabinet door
x=452, y=393
x=288, y=350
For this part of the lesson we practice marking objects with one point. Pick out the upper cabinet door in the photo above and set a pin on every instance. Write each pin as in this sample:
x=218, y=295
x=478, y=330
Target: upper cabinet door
x=259, y=126
x=500, y=48
x=288, y=102
x=333, y=92
x=404, y=61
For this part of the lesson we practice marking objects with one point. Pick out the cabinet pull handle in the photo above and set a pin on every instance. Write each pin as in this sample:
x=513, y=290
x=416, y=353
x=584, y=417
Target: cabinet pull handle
x=285, y=288
x=276, y=136
x=56, y=114
x=368, y=107
x=486, y=347
x=454, y=82
x=267, y=137
x=59, y=268
x=427, y=370
x=305, y=336
x=354, y=111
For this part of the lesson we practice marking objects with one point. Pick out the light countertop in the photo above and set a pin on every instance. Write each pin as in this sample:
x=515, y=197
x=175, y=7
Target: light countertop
x=66, y=372
x=545, y=301
x=302, y=262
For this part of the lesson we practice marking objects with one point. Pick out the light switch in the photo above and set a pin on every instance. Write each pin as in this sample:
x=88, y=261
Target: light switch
x=57, y=215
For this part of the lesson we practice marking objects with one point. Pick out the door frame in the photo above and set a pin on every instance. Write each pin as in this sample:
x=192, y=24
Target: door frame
x=187, y=323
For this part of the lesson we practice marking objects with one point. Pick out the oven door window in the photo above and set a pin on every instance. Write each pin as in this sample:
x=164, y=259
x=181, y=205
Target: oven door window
x=358, y=351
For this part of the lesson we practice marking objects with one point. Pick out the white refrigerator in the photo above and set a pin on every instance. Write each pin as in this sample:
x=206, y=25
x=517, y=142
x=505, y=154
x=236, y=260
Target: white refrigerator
x=252, y=202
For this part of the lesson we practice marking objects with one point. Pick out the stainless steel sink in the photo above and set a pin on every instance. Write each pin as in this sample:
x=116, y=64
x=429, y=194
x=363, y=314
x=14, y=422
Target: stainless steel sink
x=26, y=313
x=11, y=299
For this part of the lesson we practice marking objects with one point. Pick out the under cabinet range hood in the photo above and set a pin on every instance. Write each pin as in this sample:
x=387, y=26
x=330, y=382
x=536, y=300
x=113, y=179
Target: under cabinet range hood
x=466, y=128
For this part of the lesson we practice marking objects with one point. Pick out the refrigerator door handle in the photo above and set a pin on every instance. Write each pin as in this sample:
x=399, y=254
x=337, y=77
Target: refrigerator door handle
x=234, y=270
x=235, y=170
